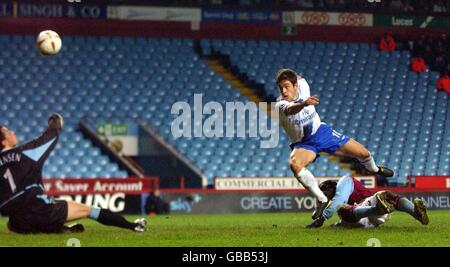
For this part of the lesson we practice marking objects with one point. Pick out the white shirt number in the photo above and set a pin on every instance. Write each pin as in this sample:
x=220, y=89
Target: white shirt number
x=8, y=176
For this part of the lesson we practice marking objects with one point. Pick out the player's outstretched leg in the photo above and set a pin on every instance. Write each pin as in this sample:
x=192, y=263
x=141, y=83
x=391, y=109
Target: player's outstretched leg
x=363, y=211
x=299, y=159
x=355, y=150
x=418, y=209
x=79, y=211
x=376, y=205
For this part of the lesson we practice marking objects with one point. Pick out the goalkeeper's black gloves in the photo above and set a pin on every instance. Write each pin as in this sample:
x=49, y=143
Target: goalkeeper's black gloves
x=316, y=223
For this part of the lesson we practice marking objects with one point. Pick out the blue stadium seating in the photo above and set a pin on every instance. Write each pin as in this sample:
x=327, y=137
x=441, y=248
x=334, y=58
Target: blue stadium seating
x=365, y=94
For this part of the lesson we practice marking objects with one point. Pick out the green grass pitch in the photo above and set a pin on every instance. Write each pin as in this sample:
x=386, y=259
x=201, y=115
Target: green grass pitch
x=242, y=230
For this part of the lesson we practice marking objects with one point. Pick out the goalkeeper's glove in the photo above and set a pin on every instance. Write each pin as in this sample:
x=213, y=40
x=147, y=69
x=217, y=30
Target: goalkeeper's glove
x=56, y=121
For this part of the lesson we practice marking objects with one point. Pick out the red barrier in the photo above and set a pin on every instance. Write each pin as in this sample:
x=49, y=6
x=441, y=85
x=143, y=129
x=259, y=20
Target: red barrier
x=424, y=182
x=211, y=30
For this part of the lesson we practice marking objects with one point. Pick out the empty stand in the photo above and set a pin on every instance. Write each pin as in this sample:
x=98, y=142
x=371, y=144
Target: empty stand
x=365, y=94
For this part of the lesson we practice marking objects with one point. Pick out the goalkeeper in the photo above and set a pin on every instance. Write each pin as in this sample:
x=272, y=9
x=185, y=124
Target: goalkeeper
x=22, y=195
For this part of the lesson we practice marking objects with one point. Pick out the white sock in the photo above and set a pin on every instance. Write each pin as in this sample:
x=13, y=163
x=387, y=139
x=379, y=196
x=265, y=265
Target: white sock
x=369, y=163
x=306, y=178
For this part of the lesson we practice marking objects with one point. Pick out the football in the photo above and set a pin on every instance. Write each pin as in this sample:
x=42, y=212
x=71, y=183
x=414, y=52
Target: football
x=48, y=42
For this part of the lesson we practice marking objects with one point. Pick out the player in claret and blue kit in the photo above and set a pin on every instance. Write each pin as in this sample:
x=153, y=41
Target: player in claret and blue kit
x=357, y=206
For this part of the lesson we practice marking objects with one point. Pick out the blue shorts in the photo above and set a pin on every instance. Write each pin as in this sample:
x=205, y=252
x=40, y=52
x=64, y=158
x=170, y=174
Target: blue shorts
x=324, y=140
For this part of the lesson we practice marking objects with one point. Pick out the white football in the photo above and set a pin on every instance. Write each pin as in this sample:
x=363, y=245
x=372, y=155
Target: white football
x=48, y=42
